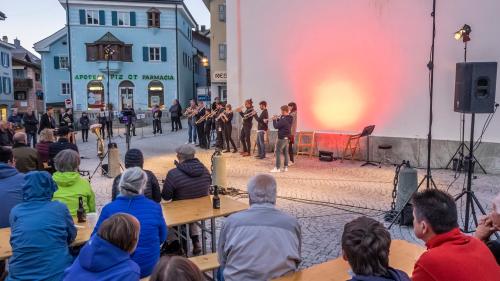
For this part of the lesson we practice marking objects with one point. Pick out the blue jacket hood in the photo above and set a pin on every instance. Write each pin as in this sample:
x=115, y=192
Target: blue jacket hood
x=395, y=275
x=7, y=171
x=38, y=186
x=99, y=255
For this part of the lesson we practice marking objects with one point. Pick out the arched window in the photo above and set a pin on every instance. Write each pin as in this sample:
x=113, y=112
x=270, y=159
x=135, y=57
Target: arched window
x=155, y=93
x=95, y=94
x=126, y=90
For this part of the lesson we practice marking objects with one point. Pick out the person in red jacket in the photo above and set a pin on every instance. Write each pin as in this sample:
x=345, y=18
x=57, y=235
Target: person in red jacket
x=450, y=255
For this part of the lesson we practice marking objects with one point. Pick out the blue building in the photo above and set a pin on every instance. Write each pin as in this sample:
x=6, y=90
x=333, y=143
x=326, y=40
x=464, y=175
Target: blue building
x=6, y=80
x=201, y=68
x=145, y=42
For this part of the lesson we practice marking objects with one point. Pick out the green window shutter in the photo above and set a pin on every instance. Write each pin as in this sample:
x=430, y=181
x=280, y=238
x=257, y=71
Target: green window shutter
x=1, y=62
x=56, y=62
x=82, y=16
x=114, y=18
x=1, y=88
x=132, y=19
x=163, y=53
x=145, y=53
x=102, y=17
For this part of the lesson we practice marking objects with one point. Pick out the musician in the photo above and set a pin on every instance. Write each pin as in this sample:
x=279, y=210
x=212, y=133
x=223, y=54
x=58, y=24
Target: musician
x=246, y=129
x=208, y=126
x=292, y=107
x=283, y=123
x=102, y=120
x=219, y=126
x=190, y=114
x=109, y=120
x=262, y=128
x=227, y=118
x=157, y=114
x=200, y=125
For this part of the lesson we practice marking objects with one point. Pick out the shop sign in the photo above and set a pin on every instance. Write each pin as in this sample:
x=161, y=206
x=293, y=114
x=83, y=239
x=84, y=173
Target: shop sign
x=219, y=76
x=125, y=77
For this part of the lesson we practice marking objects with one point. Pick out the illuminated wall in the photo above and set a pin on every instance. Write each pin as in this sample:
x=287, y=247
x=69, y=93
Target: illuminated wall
x=353, y=63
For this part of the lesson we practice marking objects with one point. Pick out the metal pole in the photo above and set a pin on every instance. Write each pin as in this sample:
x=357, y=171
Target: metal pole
x=70, y=59
x=468, y=197
x=431, y=92
x=108, y=102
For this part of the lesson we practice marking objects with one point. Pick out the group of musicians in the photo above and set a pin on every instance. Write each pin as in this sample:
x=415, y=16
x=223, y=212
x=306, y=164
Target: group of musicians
x=203, y=120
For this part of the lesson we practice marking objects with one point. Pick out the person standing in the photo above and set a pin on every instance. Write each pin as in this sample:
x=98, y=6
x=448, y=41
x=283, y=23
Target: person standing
x=109, y=120
x=15, y=119
x=47, y=121
x=31, y=127
x=292, y=107
x=262, y=128
x=85, y=126
x=200, y=125
x=157, y=114
x=208, y=128
x=219, y=126
x=246, y=129
x=190, y=114
x=283, y=124
x=228, y=128
x=102, y=120
x=175, y=115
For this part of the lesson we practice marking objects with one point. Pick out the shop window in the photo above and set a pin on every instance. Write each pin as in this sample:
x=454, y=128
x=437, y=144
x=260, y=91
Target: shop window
x=95, y=94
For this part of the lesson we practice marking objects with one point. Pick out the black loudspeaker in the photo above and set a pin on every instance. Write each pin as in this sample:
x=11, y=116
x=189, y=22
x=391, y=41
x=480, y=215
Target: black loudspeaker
x=475, y=86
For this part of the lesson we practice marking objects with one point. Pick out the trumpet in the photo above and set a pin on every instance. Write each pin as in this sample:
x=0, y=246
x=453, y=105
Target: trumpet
x=249, y=114
x=190, y=112
x=276, y=117
x=222, y=116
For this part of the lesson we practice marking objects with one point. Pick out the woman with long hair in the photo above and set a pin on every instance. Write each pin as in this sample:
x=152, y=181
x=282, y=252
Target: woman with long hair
x=292, y=106
x=228, y=128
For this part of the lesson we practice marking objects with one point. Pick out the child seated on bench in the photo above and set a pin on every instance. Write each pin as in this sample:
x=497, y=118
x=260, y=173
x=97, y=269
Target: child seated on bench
x=365, y=245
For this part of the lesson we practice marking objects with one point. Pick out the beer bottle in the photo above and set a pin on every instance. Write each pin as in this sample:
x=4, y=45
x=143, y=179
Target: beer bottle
x=216, y=198
x=80, y=213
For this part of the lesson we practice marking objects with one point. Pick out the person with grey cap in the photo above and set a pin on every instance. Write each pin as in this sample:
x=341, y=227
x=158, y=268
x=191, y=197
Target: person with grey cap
x=149, y=214
x=189, y=179
x=134, y=158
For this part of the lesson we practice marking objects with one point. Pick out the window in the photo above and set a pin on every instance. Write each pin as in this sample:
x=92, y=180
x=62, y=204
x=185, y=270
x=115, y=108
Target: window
x=123, y=18
x=37, y=76
x=19, y=73
x=92, y=17
x=153, y=18
x=20, y=96
x=95, y=52
x=65, y=90
x=222, y=51
x=63, y=63
x=5, y=58
x=154, y=53
x=5, y=85
x=222, y=12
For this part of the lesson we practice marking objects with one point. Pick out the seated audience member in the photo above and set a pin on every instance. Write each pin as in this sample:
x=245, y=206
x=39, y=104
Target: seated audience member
x=46, y=139
x=365, y=246
x=61, y=144
x=450, y=255
x=262, y=242
x=175, y=268
x=6, y=133
x=189, y=179
x=70, y=184
x=488, y=226
x=11, y=185
x=26, y=157
x=149, y=213
x=41, y=232
x=134, y=158
x=107, y=255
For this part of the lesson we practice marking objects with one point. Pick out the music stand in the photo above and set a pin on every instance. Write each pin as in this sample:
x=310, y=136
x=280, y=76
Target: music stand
x=367, y=131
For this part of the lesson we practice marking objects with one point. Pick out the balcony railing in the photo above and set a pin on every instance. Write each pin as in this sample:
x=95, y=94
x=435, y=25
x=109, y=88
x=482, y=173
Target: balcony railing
x=23, y=83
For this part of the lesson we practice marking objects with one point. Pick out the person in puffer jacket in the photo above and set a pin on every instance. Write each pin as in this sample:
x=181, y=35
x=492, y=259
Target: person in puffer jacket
x=41, y=232
x=134, y=158
x=365, y=245
x=107, y=255
x=148, y=213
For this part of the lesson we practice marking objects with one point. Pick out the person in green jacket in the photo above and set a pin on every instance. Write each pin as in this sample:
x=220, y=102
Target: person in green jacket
x=70, y=184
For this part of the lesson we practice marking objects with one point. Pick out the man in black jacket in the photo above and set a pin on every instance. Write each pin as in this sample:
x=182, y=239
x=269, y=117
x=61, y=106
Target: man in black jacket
x=246, y=129
x=200, y=125
x=262, y=128
x=283, y=124
x=30, y=126
x=190, y=179
x=157, y=114
x=61, y=144
x=47, y=121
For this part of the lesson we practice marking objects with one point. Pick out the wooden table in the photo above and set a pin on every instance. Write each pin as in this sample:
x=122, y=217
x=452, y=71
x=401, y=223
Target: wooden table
x=403, y=256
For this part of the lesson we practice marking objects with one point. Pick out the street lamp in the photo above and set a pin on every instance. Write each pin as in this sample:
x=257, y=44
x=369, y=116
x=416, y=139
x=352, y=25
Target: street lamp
x=108, y=54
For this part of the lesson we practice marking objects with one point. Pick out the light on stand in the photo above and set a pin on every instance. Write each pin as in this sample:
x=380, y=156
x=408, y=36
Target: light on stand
x=463, y=33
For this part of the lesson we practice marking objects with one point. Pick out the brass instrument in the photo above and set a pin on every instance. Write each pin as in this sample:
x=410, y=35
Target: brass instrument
x=224, y=117
x=96, y=130
x=205, y=117
x=190, y=112
x=249, y=114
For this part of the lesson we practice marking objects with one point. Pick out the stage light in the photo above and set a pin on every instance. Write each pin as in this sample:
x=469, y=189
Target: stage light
x=463, y=33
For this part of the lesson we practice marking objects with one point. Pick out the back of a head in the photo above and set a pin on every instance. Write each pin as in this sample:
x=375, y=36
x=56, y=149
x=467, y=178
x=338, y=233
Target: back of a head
x=6, y=155
x=67, y=160
x=262, y=189
x=63, y=131
x=134, y=158
x=176, y=268
x=185, y=152
x=121, y=230
x=436, y=208
x=19, y=137
x=133, y=181
x=47, y=135
x=365, y=244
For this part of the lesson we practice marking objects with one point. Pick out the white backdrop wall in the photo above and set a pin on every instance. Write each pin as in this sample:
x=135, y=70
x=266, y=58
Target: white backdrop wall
x=353, y=63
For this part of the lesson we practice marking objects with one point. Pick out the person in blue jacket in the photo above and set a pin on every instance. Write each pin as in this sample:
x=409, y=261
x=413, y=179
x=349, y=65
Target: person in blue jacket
x=107, y=255
x=149, y=213
x=11, y=185
x=41, y=232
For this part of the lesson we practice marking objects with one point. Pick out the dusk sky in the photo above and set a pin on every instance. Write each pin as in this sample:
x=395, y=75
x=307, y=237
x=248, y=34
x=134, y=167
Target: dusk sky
x=33, y=20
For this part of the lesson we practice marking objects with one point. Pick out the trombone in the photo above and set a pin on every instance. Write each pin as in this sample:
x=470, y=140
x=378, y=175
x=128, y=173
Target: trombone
x=205, y=117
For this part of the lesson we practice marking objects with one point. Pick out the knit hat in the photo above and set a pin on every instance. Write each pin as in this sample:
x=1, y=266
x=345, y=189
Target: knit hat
x=134, y=158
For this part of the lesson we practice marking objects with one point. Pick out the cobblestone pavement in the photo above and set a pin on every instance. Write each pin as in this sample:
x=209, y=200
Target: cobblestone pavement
x=332, y=193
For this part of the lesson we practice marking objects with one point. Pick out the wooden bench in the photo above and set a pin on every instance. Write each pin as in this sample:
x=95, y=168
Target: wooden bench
x=205, y=263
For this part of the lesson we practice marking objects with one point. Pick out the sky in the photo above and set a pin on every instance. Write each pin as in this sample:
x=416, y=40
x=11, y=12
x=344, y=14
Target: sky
x=35, y=21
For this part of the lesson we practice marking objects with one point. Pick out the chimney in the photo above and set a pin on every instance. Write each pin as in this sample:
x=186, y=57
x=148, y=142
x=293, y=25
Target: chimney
x=5, y=39
x=203, y=28
x=17, y=43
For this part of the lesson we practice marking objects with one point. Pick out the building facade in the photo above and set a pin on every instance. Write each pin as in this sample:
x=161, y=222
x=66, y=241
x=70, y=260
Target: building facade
x=6, y=81
x=218, y=52
x=129, y=49
x=201, y=61
x=26, y=68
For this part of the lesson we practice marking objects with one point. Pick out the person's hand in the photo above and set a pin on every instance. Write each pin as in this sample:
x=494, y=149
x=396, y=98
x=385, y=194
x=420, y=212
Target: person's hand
x=485, y=229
